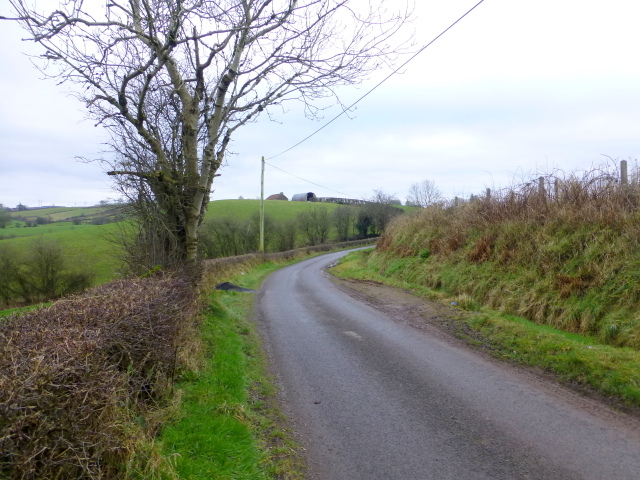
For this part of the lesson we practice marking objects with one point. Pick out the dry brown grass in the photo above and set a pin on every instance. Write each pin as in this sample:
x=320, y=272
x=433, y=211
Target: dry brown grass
x=564, y=251
x=78, y=377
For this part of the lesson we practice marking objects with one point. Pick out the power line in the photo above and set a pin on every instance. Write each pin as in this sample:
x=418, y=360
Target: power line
x=309, y=181
x=376, y=86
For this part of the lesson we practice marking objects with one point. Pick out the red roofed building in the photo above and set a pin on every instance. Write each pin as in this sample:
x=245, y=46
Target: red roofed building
x=278, y=196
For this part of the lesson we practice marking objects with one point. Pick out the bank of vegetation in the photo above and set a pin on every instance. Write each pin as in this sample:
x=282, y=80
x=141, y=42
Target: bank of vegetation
x=144, y=378
x=561, y=252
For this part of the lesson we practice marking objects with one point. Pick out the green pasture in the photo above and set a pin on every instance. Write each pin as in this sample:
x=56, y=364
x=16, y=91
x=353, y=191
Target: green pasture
x=20, y=231
x=86, y=246
x=60, y=214
x=89, y=246
x=276, y=209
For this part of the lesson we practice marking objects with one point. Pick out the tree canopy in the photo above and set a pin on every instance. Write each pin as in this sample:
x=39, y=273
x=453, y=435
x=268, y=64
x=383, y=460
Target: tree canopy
x=172, y=80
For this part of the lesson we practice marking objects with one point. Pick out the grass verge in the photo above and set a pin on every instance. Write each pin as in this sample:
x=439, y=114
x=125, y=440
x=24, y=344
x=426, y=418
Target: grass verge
x=581, y=360
x=11, y=311
x=228, y=425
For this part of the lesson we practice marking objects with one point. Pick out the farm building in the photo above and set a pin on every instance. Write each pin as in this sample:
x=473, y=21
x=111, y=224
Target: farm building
x=278, y=196
x=342, y=201
x=304, y=197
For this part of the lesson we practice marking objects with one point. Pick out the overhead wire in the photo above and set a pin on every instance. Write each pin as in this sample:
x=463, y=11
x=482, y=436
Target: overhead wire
x=345, y=110
x=308, y=181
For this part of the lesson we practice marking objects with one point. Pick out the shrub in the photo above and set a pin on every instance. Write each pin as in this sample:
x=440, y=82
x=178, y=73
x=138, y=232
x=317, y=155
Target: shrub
x=343, y=219
x=227, y=237
x=315, y=225
x=100, y=220
x=5, y=218
x=284, y=235
x=39, y=275
x=77, y=378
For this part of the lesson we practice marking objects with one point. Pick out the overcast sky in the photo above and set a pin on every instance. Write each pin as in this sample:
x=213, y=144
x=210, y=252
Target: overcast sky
x=515, y=89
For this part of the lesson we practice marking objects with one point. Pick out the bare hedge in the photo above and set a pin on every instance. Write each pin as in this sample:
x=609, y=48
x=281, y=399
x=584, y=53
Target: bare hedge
x=76, y=378
x=80, y=379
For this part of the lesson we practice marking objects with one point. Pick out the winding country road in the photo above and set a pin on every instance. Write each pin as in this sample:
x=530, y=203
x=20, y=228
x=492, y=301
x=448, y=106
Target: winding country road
x=373, y=398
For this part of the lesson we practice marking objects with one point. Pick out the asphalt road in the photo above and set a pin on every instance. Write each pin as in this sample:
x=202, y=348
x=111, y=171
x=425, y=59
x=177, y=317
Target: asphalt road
x=372, y=398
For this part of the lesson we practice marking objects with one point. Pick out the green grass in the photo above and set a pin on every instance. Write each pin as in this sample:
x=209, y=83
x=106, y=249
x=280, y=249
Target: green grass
x=611, y=371
x=65, y=213
x=88, y=246
x=278, y=210
x=85, y=246
x=244, y=209
x=227, y=427
x=10, y=311
x=38, y=230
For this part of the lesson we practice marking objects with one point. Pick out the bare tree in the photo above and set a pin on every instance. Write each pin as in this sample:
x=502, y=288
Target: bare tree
x=172, y=80
x=423, y=194
x=380, y=209
x=284, y=234
x=343, y=218
x=315, y=225
x=5, y=218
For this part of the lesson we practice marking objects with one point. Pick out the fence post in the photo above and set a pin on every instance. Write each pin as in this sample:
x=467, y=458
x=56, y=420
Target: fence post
x=488, y=194
x=624, y=179
x=541, y=186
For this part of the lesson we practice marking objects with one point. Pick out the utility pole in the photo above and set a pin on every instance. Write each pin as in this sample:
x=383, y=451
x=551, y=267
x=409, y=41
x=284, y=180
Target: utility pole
x=262, y=209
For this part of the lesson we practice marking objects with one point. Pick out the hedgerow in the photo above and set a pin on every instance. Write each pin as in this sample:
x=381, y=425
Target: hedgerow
x=80, y=380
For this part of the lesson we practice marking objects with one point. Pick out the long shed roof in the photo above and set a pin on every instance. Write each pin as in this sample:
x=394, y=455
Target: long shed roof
x=304, y=197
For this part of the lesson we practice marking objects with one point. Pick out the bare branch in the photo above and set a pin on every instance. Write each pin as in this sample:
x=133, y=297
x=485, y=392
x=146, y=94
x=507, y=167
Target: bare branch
x=172, y=80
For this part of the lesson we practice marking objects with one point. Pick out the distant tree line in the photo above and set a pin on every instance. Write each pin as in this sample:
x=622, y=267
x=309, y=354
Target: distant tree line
x=41, y=273
x=225, y=236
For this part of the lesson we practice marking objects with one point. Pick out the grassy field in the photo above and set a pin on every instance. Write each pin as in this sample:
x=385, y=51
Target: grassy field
x=84, y=245
x=58, y=214
x=88, y=245
x=40, y=230
x=278, y=210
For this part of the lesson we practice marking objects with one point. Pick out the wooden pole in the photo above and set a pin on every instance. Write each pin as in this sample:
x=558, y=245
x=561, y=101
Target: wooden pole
x=262, y=208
